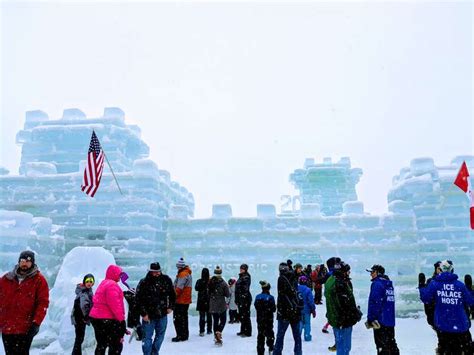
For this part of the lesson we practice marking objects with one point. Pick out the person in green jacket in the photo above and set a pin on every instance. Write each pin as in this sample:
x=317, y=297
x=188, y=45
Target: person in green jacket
x=342, y=311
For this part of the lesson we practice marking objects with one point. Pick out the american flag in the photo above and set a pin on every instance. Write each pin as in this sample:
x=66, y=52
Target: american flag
x=94, y=167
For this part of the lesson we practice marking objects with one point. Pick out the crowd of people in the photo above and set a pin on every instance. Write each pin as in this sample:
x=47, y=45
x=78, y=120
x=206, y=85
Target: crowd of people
x=24, y=300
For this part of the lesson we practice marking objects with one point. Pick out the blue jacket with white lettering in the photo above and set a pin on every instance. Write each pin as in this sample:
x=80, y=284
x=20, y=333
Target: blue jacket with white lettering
x=382, y=301
x=450, y=297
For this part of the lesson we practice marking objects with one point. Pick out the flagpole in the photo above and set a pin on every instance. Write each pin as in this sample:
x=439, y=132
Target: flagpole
x=105, y=155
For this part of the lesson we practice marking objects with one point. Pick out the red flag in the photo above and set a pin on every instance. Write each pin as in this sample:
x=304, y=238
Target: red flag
x=471, y=199
x=462, y=178
x=94, y=167
x=462, y=181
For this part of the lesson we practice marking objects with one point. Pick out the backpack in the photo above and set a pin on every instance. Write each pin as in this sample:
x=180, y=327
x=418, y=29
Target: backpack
x=296, y=302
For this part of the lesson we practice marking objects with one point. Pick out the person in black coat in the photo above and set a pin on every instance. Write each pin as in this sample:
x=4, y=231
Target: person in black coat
x=202, y=288
x=155, y=299
x=288, y=310
x=243, y=299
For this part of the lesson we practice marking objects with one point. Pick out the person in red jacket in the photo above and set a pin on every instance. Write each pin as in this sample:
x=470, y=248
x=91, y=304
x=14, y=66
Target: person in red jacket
x=24, y=299
x=108, y=313
x=183, y=287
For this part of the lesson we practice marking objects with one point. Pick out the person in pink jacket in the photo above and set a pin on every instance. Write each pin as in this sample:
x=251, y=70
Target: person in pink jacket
x=108, y=313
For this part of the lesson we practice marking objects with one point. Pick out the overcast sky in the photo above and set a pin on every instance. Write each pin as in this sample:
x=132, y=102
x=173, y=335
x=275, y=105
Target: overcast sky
x=232, y=97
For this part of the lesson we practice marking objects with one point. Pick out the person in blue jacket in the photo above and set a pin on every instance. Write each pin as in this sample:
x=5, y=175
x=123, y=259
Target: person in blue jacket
x=265, y=306
x=450, y=297
x=381, y=311
x=309, y=307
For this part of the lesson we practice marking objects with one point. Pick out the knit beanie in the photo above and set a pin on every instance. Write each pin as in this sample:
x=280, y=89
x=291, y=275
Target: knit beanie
x=265, y=285
x=27, y=255
x=180, y=264
x=218, y=271
x=446, y=266
x=302, y=280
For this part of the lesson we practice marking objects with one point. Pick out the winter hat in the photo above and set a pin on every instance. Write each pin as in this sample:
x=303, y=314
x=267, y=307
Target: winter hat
x=283, y=267
x=181, y=263
x=27, y=255
x=379, y=269
x=446, y=266
x=289, y=262
x=298, y=265
x=218, y=271
x=332, y=261
x=232, y=281
x=437, y=264
x=87, y=278
x=302, y=280
x=265, y=285
x=244, y=267
x=124, y=278
x=154, y=267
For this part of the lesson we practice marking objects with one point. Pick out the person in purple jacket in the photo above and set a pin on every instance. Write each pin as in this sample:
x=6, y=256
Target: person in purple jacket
x=450, y=318
x=381, y=311
x=309, y=307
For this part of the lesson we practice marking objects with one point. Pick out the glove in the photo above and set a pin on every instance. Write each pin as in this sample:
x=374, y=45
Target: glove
x=123, y=328
x=314, y=314
x=34, y=329
x=468, y=282
x=421, y=280
x=374, y=324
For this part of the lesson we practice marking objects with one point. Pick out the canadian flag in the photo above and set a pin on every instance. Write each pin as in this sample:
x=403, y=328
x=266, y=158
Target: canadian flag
x=462, y=181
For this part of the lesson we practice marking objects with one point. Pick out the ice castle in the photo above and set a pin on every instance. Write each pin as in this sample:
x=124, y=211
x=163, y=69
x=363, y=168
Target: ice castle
x=44, y=209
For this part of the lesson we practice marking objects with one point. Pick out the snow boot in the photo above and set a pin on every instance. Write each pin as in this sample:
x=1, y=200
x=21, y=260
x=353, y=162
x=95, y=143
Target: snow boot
x=218, y=339
x=332, y=348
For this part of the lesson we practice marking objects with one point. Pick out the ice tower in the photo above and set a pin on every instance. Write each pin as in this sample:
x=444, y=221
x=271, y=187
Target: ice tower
x=327, y=184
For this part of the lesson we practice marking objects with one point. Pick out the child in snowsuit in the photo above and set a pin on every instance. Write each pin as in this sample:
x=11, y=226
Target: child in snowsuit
x=233, y=314
x=265, y=307
x=80, y=311
x=309, y=308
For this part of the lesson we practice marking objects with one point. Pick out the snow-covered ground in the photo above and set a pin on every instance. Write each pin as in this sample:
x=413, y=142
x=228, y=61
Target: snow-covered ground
x=414, y=337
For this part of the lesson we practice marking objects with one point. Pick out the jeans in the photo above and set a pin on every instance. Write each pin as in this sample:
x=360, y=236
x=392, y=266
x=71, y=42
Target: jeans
x=343, y=340
x=205, y=317
x=219, y=320
x=157, y=326
x=306, y=325
x=295, y=329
